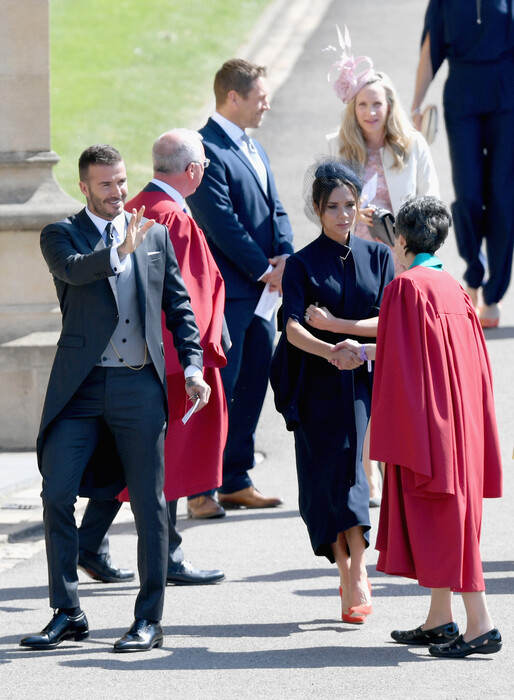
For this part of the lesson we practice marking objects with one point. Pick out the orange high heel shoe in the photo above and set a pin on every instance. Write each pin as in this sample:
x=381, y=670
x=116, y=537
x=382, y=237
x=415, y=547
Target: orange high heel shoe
x=354, y=618
x=362, y=609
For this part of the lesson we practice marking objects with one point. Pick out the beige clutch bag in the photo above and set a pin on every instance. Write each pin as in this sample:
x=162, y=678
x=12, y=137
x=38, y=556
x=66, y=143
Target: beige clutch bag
x=428, y=126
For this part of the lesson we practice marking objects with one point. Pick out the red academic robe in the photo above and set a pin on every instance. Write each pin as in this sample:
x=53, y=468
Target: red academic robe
x=186, y=474
x=433, y=424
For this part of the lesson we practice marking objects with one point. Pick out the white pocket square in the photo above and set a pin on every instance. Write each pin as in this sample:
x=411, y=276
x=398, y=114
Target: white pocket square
x=154, y=252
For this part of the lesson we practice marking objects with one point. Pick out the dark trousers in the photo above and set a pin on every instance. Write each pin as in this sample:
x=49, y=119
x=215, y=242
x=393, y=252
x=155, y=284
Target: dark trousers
x=482, y=157
x=98, y=517
x=245, y=380
x=132, y=406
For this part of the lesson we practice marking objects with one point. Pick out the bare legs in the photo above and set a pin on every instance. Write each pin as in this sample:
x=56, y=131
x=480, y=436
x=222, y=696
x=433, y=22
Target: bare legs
x=478, y=619
x=440, y=611
x=352, y=568
x=370, y=469
x=488, y=314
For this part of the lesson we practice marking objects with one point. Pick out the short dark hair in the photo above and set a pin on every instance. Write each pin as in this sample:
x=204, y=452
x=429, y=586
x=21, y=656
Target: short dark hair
x=99, y=154
x=236, y=74
x=424, y=222
x=328, y=176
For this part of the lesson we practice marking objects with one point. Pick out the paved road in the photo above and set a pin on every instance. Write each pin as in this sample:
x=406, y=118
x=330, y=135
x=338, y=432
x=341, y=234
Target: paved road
x=272, y=628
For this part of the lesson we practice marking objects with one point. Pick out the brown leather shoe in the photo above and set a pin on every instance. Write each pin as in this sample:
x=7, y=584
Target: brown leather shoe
x=203, y=507
x=247, y=498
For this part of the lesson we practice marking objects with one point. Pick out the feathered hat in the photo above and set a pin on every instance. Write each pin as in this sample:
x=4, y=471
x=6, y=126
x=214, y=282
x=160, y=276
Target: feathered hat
x=348, y=82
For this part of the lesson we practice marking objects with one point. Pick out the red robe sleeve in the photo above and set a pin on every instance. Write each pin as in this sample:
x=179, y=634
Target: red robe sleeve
x=432, y=406
x=205, y=285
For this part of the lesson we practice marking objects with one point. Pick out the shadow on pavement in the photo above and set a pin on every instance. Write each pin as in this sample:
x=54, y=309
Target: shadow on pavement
x=202, y=658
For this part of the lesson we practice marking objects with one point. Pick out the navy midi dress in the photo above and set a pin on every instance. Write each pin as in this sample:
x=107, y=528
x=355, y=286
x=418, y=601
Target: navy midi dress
x=333, y=405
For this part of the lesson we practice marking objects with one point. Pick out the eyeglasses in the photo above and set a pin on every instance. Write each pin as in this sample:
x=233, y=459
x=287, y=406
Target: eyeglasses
x=205, y=162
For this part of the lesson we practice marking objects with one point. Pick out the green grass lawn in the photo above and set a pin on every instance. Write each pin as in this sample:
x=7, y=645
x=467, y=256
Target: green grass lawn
x=123, y=72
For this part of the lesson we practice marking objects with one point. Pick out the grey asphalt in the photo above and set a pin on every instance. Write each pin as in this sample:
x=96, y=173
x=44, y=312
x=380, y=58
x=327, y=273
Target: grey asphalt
x=273, y=627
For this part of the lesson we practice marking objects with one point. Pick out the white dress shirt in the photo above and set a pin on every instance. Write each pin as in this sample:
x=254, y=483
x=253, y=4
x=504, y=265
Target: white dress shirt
x=171, y=192
x=118, y=223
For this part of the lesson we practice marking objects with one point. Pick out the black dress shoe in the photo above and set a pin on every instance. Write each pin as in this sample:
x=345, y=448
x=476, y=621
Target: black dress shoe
x=488, y=643
x=185, y=574
x=100, y=568
x=60, y=627
x=436, y=635
x=142, y=636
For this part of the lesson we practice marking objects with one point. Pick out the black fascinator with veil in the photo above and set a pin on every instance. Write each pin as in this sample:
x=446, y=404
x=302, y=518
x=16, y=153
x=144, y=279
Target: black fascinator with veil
x=325, y=170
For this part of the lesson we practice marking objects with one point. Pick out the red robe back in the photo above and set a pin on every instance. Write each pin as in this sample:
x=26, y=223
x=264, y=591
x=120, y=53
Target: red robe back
x=205, y=434
x=433, y=424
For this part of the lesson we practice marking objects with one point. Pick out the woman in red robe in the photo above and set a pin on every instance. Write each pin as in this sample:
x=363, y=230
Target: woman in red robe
x=434, y=426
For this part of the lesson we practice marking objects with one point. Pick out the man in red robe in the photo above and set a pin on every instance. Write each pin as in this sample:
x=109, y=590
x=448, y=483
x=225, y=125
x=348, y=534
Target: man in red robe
x=164, y=201
x=179, y=163
x=434, y=426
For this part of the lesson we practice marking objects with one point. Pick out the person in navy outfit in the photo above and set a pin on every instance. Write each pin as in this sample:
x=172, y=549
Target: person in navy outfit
x=343, y=276
x=477, y=38
x=250, y=236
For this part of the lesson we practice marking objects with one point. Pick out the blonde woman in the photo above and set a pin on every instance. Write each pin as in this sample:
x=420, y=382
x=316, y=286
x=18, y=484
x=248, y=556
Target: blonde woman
x=376, y=133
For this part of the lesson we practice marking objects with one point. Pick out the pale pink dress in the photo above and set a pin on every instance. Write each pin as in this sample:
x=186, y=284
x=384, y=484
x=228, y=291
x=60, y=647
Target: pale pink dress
x=374, y=165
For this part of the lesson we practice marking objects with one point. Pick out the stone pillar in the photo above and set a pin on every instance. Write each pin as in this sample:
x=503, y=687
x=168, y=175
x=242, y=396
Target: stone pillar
x=29, y=198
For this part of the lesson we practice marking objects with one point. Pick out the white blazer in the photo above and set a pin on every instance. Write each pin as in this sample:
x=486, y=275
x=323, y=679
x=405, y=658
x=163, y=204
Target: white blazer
x=418, y=176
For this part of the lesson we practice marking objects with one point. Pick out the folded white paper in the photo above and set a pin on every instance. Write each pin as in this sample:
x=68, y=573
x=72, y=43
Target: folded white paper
x=267, y=303
x=191, y=411
x=369, y=191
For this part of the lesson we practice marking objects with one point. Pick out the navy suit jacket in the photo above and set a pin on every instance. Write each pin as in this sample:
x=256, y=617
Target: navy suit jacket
x=79, y=261
x=244, y=225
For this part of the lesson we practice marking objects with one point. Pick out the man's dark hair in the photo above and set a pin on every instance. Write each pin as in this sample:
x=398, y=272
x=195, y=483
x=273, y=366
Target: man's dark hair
x=237, y=75
x=99, y=154
x=424, y=222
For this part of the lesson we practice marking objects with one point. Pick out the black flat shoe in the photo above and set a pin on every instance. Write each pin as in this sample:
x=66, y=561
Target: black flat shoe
x=185, y=574
x=437, y=635
x=488, y=643
x=100, y=568
x=60, y=627
x=142, y=636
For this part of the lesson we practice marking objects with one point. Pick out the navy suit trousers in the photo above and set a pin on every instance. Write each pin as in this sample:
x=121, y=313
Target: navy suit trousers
x=483, y=179
x=245, y=380
x=98, y=518
x=131, y=404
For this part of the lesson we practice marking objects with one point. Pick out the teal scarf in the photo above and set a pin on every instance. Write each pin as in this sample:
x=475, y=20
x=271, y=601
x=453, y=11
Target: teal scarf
x=427, y=260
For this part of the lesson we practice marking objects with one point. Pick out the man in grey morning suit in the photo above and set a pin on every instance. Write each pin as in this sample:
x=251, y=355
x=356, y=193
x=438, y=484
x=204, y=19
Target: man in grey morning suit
x=106, y=398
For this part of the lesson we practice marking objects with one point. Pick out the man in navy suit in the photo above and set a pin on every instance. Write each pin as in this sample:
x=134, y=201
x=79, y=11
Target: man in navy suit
x=250, y=236
x=106, y=404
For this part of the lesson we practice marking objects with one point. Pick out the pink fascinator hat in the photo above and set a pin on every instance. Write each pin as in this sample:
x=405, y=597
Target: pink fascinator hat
x=348, y=81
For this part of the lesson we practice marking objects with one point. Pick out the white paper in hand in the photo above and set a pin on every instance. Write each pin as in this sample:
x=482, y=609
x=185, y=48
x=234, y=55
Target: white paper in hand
x=191, y=411
x=267, y=303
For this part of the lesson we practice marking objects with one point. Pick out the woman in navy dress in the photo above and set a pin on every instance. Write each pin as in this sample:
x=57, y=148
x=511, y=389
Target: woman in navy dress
x=347, y=276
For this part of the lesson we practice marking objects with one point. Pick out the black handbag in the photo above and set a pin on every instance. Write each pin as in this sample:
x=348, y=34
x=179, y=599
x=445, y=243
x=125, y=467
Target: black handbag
x=286, y=375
